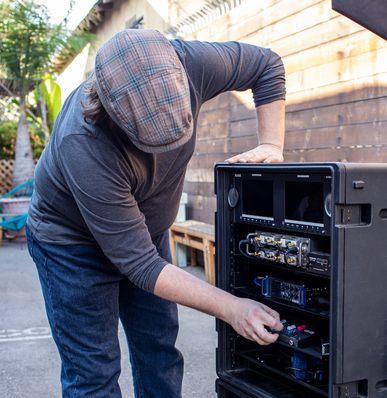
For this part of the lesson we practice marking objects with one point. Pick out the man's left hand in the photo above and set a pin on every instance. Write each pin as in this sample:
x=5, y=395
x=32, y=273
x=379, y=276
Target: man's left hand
x=264, y=153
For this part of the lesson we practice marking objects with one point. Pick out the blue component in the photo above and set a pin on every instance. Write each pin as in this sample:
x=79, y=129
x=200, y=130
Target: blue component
x=303, y=297
x=290, y=330
x=266, y=286
x=307, y=368
x=300, y=366
x=277, y=288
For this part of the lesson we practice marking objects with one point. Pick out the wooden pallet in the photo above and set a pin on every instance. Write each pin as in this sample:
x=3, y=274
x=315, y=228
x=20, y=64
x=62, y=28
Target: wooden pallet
x=198, y=236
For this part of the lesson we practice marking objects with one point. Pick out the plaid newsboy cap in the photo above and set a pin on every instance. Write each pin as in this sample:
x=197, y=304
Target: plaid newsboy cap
x=144, y=88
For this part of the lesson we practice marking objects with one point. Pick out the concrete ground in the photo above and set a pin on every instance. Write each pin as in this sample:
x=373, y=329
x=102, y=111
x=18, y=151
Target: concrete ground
x=29, y=363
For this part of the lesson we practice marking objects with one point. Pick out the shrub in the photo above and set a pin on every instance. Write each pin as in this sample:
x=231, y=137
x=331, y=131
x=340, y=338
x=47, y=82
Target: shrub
x=8, y=140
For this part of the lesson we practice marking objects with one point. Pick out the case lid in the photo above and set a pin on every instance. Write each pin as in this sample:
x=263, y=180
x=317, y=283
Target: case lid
x=372, y=14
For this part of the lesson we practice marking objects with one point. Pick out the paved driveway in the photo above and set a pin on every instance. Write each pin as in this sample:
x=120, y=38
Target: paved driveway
x=29, y=363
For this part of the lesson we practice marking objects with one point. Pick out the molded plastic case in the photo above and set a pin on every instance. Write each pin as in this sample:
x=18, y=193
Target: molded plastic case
x=342, y=209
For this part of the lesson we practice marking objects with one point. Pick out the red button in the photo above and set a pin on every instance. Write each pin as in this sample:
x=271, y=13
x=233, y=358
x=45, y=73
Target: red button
x=301, y=328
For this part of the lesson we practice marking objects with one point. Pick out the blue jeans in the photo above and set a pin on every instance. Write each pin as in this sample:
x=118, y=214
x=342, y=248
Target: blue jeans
x=85, y=296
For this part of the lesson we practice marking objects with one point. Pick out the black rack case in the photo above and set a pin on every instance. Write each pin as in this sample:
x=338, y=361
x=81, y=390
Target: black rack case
x=355, y=238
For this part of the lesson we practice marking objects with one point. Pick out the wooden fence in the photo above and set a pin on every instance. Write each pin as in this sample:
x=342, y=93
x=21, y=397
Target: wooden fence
x=336, y=107
x=6, y=170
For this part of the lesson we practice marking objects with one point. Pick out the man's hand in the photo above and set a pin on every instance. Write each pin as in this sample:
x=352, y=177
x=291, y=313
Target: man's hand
x=264, y=153
x=250, y=319
x=271, y=127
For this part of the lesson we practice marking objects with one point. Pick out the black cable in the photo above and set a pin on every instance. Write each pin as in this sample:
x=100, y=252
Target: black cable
x=247, y=242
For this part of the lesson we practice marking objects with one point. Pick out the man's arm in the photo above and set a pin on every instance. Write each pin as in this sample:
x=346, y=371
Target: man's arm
x=247, y=317
x=214, y=68
x=271, y=134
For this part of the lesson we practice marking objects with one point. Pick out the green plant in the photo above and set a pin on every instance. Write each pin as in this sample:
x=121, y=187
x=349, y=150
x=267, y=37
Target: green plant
x=7, y=139
x=28, y=43
x=38, y=140
x=49, y=99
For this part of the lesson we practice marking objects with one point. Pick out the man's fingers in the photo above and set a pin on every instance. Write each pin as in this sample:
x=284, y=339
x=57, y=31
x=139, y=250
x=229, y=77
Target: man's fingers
x=266, y=336
x=247, y=158
x=255, y=158
x=265, y=153
x=271, y=321
x=256, y=321
x=232, y=160
x=251, y=335
x=243, y=158
x=271, y=312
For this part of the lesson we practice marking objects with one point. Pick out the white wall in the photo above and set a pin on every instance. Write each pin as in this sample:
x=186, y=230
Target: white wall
x=74, y=74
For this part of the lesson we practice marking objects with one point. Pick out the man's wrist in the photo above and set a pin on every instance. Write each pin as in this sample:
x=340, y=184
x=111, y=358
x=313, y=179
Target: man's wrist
x=227, y=309
x=276, y=146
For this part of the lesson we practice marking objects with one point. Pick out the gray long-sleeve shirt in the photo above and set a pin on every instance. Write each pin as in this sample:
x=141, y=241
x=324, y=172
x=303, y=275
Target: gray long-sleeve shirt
x=93, y=186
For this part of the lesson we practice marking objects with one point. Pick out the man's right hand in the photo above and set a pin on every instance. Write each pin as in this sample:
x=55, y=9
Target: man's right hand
x=252, y=320
x=249, y=318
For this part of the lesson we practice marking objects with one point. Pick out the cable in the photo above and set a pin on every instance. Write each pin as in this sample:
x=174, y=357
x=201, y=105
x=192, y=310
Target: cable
x=247, y=242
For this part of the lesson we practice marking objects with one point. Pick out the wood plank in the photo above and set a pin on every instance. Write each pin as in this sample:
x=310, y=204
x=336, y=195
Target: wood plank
x=371, y=154
x=188, y=242
x=372, y=110
x=172, y=247
x=282, y=36
x=363, y=88
x=250, y=20
x=320, y=138
x=201, y=208
x=215, y=130
x=209, y=261
x=267, y=34
x=194, y=257
x=286, y=26
x=366, y=134
x=218, y=102
x=202, y=189
x=315, y=35
x=240, y=110
x=217, y=30
x=213, y=116
x=343, y=47
x=244, y=127
x=200, y=175
x=243, y=144
x=206, y=215
x=339, y=71
x=206, y=160
x=211, y=145
x=196, y=235
x=374, y=134
x=194, y=228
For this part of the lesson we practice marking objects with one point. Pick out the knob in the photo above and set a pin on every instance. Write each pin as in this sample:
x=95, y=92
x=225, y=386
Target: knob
x=233, y=197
